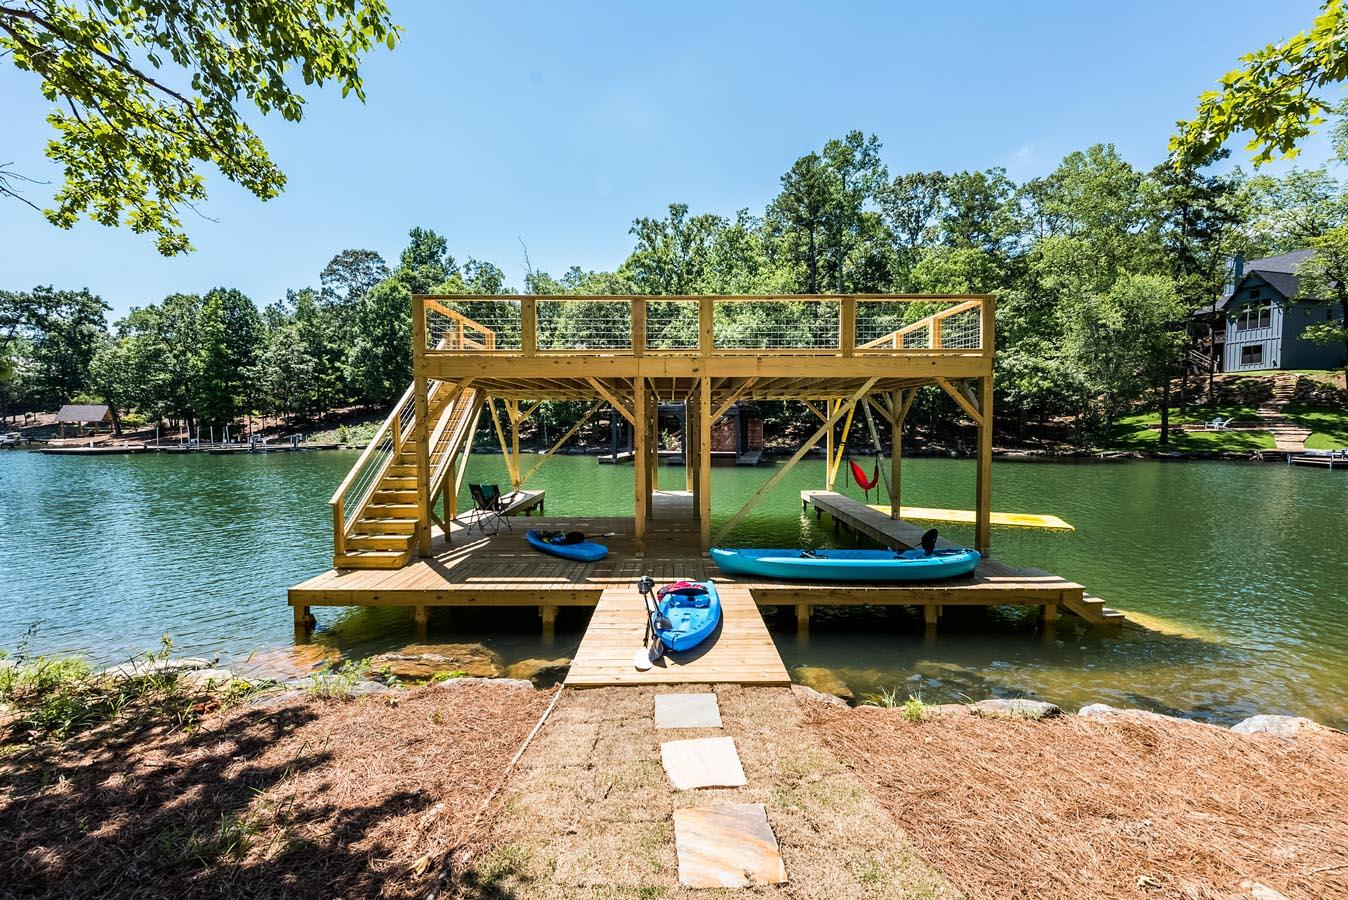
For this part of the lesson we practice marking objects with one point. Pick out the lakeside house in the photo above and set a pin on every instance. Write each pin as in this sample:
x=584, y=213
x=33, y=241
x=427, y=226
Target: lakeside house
x=1258, y=324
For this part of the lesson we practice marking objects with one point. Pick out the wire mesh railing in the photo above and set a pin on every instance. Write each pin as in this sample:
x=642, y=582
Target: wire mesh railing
x=776, y=325
x=888, y=325
x=584, y=324
x=472, y=324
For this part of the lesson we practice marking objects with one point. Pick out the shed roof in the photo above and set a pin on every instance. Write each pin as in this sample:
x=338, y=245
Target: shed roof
x=83, y=413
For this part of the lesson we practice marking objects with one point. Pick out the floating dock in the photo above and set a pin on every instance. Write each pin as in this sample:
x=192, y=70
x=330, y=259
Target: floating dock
x=968, y=517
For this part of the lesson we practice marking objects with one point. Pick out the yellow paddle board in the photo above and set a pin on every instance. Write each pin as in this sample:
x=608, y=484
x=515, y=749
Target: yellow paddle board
x=966, y=516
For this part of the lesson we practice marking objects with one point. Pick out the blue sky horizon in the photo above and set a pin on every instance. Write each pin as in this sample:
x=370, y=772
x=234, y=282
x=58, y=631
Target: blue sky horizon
x=549, y=128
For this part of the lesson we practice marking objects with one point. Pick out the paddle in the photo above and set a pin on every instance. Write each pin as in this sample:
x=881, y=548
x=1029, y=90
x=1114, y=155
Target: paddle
x=646, y=656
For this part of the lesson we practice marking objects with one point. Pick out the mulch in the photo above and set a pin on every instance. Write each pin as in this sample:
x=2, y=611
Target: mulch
x=308, y=797
x=1115, y=806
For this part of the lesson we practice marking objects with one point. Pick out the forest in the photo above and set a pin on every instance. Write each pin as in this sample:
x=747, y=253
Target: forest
x=1097, y=267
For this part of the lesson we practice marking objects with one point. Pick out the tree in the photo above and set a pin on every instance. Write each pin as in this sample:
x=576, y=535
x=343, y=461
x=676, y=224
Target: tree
x=911, y=205
x=285, y=374
x=59, y=331
x=381, y=357
x=425, y=262
x=673, y=254
x=799, y=213
x=146, y=90
x=1324, y=277
x=350, y=275
x=231, y=339
x=1275, y=94
x=856, y=176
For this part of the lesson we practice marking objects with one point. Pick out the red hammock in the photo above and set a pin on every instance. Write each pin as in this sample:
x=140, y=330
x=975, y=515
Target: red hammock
x=859, y=475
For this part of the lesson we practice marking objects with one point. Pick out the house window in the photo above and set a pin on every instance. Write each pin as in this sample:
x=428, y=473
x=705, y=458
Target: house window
x=1254, y=315
x=1252, y=354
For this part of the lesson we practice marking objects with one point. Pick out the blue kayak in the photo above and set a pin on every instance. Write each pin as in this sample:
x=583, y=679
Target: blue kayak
x=876, y=566
x=567, y=545
x=693, y=609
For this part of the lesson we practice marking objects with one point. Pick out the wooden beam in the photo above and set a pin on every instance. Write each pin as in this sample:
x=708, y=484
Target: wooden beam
x=500, y=438
x=882, y=409
x=703, y=481
x=639, y=461
x=842, y=448
x=969, y=408
x=422, y=429
x=814, y=409
x=594, y=408
x=513, y=410
x=613, y=401
x=735, y=395
x=529, y=325
x=826, y=428
x=638, y=327
x=847, y=326
x=524, y=415
x=901, y=410
x=706, y=326
x=896, y=453
x=983, y=479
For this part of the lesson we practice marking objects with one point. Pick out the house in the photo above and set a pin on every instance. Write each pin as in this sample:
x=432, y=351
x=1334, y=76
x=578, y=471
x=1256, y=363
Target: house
x=1258, y=323
x=83, y=415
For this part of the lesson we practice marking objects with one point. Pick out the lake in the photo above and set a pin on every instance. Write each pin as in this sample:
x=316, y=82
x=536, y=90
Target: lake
x=1239, y=572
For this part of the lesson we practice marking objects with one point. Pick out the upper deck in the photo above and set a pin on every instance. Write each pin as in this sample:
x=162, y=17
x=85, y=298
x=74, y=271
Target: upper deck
x=794, y=347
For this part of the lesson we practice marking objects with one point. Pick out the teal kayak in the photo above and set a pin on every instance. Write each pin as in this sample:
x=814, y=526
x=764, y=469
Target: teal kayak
x=693, y=609
x=877, y=566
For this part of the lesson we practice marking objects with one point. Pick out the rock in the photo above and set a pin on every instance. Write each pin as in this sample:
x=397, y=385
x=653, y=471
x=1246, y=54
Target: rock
x=809, y=693
x=826, y=681
x=1254, y=889
x=149, y=665
x=361, y=688
x=947, y=709
x=220, y=679
x=1281, y=726
x=1018, y=708
x=497, y=682
x=427, y=660
x=542, y=673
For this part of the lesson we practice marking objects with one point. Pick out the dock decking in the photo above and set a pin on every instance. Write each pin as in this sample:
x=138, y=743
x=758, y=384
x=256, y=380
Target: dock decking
x=740, y=651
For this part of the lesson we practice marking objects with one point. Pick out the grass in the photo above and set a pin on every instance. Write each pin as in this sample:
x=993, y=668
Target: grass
x=1135, y=432
x=1329, y=427
x=358, y=434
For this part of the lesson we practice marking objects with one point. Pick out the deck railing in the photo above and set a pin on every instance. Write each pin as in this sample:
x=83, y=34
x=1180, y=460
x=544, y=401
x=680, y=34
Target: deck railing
x=613, y=325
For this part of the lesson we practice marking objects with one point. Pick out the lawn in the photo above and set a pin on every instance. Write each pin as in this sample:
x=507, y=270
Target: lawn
x=1141, y=432
x=1329, y=427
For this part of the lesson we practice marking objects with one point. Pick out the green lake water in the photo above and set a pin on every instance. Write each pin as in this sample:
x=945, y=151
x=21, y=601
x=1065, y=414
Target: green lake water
x=1238, y=570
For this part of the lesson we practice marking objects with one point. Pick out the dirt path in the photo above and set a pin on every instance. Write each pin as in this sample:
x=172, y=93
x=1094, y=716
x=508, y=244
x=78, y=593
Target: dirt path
x=589, y=811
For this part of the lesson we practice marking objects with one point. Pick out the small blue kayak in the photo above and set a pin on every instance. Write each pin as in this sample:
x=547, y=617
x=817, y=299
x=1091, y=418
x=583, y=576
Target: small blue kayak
x=566, y=544
x=878, y=566
x=693, y=609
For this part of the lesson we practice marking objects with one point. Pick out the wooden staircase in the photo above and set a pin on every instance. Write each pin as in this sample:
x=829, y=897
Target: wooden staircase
x=382, y=534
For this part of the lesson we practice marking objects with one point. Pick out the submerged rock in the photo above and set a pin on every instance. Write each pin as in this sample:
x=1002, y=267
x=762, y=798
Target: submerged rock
x=428, y=660
x=211, y=678
x=810, y=693
x=1018, y=708
x=154, y=665
x=824, y=680
x=495, y=682
x=1104, y=709
x=542, y=673
x=1281, y=726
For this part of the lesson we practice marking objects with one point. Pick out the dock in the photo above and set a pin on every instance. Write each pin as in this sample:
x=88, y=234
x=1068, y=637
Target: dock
x=969, y=516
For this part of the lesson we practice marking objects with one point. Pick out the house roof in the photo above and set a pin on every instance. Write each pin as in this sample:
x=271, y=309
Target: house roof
x=82, y=413
x=1279, y=271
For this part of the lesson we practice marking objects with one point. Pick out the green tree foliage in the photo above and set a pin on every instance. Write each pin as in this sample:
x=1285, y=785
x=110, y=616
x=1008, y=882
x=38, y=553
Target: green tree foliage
x=144, y=91
x=48, y=338
x=1324, y=277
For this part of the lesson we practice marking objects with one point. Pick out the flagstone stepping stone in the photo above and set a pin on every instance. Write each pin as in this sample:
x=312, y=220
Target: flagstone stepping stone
x=702, y=762
x=687, y=711
x=727, y=846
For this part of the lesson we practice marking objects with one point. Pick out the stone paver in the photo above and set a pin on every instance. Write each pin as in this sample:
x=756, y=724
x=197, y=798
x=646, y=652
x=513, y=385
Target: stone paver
x=687, y=711
x=727, y=846
x=702, y=763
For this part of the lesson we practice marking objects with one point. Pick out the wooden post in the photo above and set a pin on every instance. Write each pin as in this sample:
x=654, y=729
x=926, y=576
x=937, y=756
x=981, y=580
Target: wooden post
x=847, y=326
x=639, y=462
x=983, y=481
x=529, y=325
x=931, y=613
x=548, y=615
x=513, y=410
x=421, y=616
x=803, y=618
x=828, y=450
x=706, y=321
x=685, y=443
x=638, y=327
x=652, y=448
x=703, y=482
x=422, y=432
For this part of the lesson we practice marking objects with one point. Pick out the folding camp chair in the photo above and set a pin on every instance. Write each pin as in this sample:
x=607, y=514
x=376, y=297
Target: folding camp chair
x=488, y=502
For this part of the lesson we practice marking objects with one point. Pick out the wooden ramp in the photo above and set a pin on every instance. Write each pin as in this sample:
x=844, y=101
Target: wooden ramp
x=740, y=651
x=862, y=519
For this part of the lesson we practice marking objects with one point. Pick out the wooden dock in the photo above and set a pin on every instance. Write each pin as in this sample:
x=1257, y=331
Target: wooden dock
x=1007, y=584
x=740, y=651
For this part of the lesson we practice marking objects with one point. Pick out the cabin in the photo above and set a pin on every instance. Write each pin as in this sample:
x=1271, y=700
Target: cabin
x=400, y=537
x=1258, y=323
x=86, y=418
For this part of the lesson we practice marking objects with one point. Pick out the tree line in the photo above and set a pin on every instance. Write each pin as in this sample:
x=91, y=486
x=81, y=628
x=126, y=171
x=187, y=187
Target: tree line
x=1097, y=267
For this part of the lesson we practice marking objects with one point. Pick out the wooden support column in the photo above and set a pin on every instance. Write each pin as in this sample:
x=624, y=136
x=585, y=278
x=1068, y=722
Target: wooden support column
x=422, y=426
x=895, y=454
x=548, y=616
x=803, y=611
x=304, y=619
x=686, y=442
x=421, y=617
x=983, y=480
x=513, y=410
x=639, y=463
x=828, y=448
x=931, y=613
x=652, y=446
x=703, y=482
x=529, y=325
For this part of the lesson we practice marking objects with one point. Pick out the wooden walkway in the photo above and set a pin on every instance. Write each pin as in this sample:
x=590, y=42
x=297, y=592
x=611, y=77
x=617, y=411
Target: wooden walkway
x=1009, y=582
x=740, y=651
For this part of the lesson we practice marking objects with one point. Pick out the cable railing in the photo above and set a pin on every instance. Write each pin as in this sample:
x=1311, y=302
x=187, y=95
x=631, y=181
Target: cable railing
x=804, y=324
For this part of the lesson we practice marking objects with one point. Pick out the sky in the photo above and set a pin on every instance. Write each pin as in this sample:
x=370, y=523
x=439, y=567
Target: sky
x=552, y=126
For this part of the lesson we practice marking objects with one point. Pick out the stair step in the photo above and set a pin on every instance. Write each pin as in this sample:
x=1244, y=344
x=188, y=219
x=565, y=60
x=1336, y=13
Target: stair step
x=385, y=526
x=372, y=559
x=395, y=496
x=391, y=511
x=373, y=541
x=399, y=481
x=403, y=470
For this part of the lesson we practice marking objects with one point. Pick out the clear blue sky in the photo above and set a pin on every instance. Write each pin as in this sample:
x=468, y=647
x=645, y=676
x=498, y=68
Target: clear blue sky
x=557, y=124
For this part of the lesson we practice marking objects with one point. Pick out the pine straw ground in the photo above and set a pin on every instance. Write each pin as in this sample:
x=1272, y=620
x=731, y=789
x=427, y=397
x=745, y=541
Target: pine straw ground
x=307, y=797
x=1105, y=807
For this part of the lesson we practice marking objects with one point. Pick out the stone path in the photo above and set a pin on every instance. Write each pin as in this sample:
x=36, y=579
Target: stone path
x=729, y=845
x=1287, y=436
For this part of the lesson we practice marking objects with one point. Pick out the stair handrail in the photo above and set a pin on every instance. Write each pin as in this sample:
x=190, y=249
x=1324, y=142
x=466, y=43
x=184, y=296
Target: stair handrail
x=895, y=338
x=463, y=324
x=338, y=500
